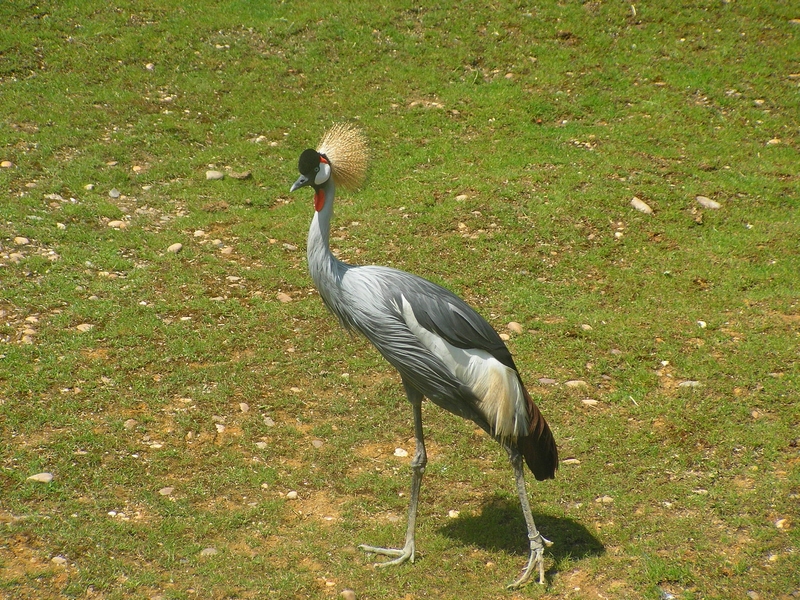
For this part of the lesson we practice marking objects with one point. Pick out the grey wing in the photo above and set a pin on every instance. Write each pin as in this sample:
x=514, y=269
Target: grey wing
x=424, y=371
x=439, y=310
x=380, y=319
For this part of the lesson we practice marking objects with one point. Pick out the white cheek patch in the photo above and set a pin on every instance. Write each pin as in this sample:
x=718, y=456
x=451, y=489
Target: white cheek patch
x=323, y=174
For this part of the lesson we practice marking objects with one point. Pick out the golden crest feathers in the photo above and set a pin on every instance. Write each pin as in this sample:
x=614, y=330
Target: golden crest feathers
x=346, y=147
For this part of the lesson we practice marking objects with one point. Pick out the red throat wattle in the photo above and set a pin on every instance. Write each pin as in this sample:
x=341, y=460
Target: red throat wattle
x=319, y=200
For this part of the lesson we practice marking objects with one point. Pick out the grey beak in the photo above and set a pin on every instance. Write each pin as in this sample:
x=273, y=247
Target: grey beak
x=301, y=182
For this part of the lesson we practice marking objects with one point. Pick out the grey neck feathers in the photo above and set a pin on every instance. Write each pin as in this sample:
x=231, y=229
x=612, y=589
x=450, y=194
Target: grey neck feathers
x=325, y=269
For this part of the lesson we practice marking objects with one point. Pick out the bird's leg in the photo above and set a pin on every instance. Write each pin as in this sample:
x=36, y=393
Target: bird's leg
x=407, y=552
x=536, y=539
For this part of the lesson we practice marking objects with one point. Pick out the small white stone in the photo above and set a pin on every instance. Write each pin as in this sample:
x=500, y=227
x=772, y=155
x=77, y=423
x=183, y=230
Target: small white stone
x=269, y=422
x=261, y=445
x=453, y=514
x=61, y=225
x=604, y=500
x=505, y=337
x=6, y=164
x=21, y=241
x=84, y=327
x=208, y=551
x=782, y=524
x=586, y=327
x=461, y=197
x=150, y=67
x=291, y=495
x=130, y=423
x=175, y=248
x=576, y=383
x=199, y=233
x=220, y=427
x=117, y=224
x=317, y=443
x=348, y=595
x=590, y=402
x=515, y=327
x=214, y=175
x=89, y=187
x=571, y=461
x=689, y=384
x=58, y=560
x=400, y=452
x=166, y=491
x=283, y=297
x=41, y=477
x=702, y=324
x=708, y=203
x=641, y=205
x=244, y=407
x=547, y=381
x=114, y=193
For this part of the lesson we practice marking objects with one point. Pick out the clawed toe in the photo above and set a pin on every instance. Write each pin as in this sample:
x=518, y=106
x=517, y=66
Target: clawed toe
x=400, y=555
x=535, y=560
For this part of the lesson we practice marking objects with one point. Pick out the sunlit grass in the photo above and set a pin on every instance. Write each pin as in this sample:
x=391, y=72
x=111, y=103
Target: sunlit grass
x=508, y=142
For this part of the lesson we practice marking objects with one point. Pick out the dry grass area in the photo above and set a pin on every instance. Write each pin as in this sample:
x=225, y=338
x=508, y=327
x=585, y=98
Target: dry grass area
x=178, y=398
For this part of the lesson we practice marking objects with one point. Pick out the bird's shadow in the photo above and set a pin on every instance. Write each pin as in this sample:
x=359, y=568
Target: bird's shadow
x=500, y=526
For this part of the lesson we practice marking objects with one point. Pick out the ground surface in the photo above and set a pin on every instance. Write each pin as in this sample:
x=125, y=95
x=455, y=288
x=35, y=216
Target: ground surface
x=177, y=398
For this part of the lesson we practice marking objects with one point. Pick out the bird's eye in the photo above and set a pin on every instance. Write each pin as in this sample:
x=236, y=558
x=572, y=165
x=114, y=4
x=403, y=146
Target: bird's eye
x=322, y=173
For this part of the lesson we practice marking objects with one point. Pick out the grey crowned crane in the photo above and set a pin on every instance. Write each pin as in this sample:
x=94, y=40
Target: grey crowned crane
x=442, y=348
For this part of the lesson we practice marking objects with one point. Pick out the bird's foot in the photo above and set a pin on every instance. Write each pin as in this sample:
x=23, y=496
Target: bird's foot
x=400, y=555
x=536, y=559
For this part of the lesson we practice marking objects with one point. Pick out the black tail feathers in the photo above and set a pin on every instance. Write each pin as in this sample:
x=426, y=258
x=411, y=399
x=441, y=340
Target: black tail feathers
x=538, y=447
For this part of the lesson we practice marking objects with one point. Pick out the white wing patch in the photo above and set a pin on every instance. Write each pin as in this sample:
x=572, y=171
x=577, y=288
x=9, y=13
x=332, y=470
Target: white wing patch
x=496, y=385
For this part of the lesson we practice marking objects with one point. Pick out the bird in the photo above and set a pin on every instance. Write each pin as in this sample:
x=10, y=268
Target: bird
x=441, y=347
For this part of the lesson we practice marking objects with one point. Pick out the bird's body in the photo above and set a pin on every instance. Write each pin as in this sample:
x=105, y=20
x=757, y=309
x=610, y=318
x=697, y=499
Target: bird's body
x=441, y=347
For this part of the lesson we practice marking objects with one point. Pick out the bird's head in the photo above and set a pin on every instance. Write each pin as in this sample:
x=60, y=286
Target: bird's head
x=342, y=157
x=315, y=170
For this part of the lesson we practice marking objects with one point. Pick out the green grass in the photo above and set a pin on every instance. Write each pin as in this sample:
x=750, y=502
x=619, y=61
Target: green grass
x=508, y=142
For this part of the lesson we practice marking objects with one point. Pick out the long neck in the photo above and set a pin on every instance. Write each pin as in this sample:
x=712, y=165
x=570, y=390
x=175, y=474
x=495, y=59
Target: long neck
x=325, y=269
